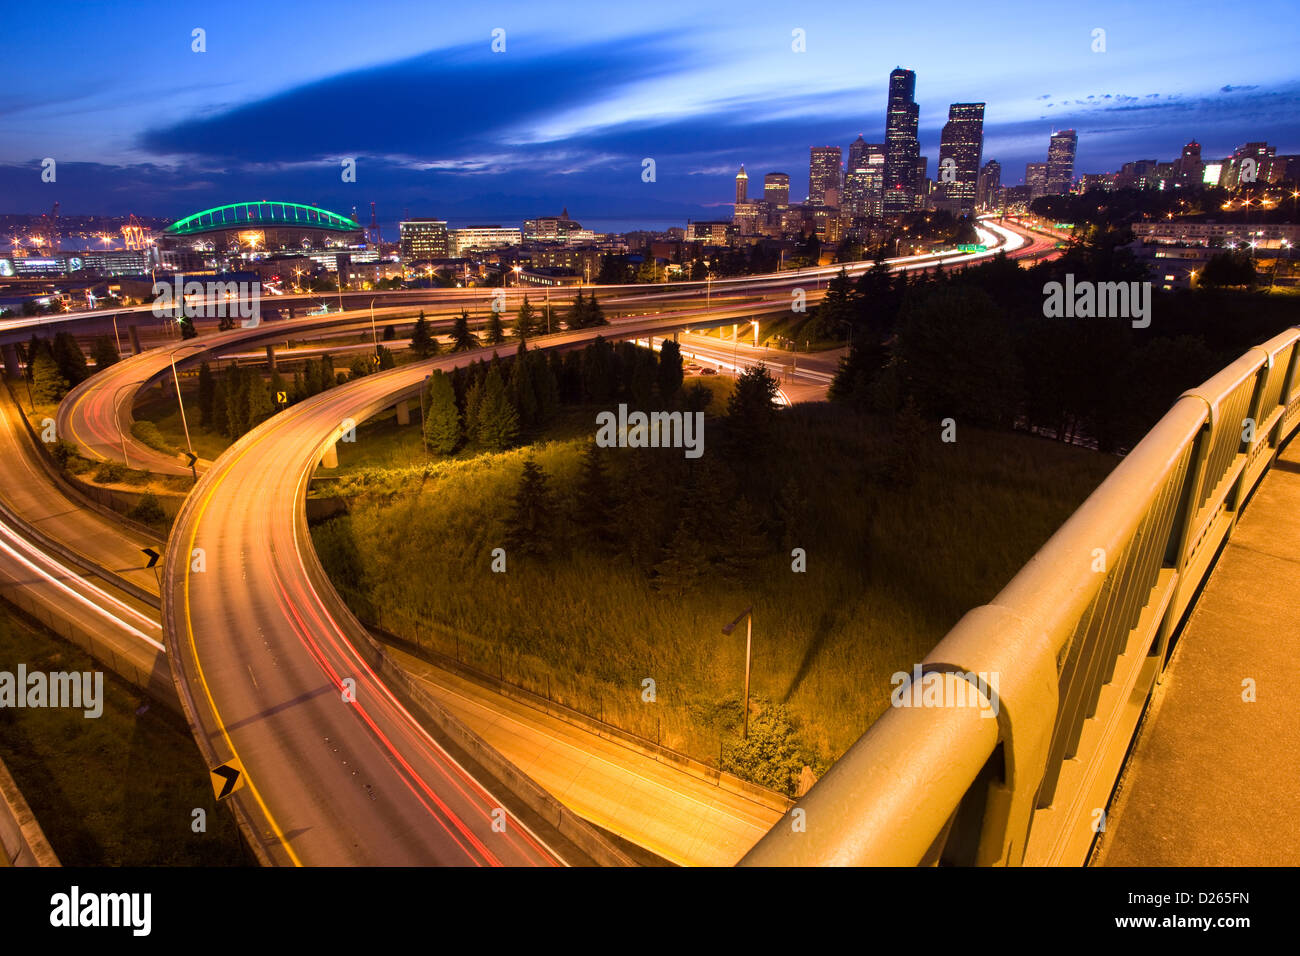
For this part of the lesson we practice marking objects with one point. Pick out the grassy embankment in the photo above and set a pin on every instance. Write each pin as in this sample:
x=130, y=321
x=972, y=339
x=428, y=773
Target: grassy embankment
x=890, y=568
x=117, y=790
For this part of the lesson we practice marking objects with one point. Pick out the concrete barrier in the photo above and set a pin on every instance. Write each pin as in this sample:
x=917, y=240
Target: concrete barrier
x=22, y=842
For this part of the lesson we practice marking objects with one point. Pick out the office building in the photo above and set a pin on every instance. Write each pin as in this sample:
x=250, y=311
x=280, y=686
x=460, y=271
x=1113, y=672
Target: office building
x=988, y=184
x=824, y=176
x=1036, y=179
x=960, y=151
x=742, y=185
x=901, y=147
x=776, y=189
x=1060, y=161
x=423, y=239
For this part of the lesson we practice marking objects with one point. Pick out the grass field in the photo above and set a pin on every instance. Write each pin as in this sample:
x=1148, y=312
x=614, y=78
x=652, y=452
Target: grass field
x=117, y=790
x=890, y=568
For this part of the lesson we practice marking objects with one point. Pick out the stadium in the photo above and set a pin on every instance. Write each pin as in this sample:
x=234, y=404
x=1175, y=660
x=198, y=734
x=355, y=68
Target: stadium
x=254, y=227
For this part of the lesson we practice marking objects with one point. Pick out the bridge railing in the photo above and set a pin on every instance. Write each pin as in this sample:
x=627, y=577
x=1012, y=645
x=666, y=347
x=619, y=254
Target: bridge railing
x=1061, y=663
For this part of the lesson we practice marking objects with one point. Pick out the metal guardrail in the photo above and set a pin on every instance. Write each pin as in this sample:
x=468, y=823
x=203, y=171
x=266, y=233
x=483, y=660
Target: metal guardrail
x=1078, y=639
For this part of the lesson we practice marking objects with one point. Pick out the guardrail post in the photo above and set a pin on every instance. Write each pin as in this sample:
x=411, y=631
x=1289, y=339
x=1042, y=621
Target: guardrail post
x=1180, y=535
x=1018, y=677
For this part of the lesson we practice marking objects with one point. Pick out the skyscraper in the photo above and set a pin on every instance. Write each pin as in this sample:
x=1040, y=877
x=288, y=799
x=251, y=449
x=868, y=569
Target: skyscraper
x=742, y=185
x=1060, y=161
x=824, y=176
x=960, y=151
x=901, y=148
x=864, y=180
x=776, y=189
x=1036, y=179
x=990, y=180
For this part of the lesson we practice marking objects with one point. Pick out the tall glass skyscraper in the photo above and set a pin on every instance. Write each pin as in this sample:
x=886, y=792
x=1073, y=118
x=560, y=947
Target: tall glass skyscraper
x=1060, y=161
x=960, y=151
x=824, y=176
x=901, y=148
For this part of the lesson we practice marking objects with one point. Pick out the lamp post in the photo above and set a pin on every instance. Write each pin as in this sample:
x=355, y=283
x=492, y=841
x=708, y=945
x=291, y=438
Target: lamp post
x=374, y=333
x=748, y=615
x=117, y=415
x=184, y=424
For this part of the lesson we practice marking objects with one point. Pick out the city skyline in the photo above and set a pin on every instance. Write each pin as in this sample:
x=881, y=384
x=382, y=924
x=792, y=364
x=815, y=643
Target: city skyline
x=600, y=104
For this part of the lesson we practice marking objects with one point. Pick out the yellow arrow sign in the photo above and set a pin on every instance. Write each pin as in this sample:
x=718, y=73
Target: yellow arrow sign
x=227, y=778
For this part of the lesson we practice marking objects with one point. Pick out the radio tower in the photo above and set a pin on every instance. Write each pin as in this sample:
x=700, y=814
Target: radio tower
x=372, y=235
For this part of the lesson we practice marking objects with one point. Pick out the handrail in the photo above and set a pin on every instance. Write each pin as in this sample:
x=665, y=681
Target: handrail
x=1077, y=635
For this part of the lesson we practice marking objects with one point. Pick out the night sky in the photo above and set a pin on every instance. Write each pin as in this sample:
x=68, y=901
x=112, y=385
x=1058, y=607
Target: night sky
x=441, y=126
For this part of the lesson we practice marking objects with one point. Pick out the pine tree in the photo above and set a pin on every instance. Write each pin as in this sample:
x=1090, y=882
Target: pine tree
x=442, y=418
x=522, y=392
x=525, y=319
x=473, y=411
x=598, y=380
x=462, y=339
x=751, y=410
x=259, y=407
x=48, y=383
x=744, y=544
x=532, y=517
x=684, y=561
x=207, y=391
x=188, y=331
x=494, y=334
x=545, y=386
x=595, y=314
x=577, y=317
x=670, y=375
x=104, y=353
x=593, y=498
x=498, y=421
x=69, y=358
x=386, y=358
x=220, y=419
x=423, y=344
x=360, y=366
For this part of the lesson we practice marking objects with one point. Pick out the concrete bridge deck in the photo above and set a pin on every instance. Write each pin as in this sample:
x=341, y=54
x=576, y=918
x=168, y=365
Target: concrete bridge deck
x=1213, y=780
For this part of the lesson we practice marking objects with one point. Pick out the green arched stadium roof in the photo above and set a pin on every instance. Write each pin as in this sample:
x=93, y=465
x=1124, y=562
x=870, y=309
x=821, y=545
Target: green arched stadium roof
x=254, y=214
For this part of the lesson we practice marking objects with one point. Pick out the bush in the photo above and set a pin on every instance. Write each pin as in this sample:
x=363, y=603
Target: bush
x=62, y=453
x=148, y=433
x=148, y=510
x=108, y=472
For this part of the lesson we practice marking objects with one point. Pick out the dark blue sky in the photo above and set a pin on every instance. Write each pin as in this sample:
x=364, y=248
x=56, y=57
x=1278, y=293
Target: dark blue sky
x=440, y=125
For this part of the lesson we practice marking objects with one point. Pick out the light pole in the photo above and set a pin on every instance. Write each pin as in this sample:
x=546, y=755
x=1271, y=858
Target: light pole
x=373, y=331
x=748, y=615
x=117, y=336
x=189, y=447
x=117, y=415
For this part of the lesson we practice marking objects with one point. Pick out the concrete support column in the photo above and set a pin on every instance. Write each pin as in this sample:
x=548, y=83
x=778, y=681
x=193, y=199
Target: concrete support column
x=270, y=357
x=135, y=339
x=403, y=413
x=674, y=336
x=331, y=457
x=11, y=360
x=292, y=310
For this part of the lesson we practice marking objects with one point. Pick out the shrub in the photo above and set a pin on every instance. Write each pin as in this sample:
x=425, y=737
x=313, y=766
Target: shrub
x=108, y=472
x=148, y=510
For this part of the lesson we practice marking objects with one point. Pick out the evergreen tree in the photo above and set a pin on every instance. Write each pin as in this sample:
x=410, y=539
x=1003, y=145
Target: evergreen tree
x=577, y=317
x=462, y=339
x=219, y=420
x=69, y=358
x=595, y=314
x=423, y=344
x=593, y=498
x=360, y=366
x=545, y=386
x=48, y=383
x=259, y=406
x=744, y=544
x=670, y=375
x=274, y=388
x=523, y=395
x=188, y=331
x=598, y=380
x=531, y=521
x=684, y=561
x=751, y=410
x=104, y=353
x=494, y=334
x=525, y=319
x=442, y=418
x=207, y=394
x=473, y=410
x=386, y=358
x=498, y=421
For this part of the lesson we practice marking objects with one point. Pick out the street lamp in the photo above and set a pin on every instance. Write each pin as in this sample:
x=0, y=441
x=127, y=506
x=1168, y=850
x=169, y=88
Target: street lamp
x=373, y=331
x=184, y=424
x=117, y=416
x=748, y=615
